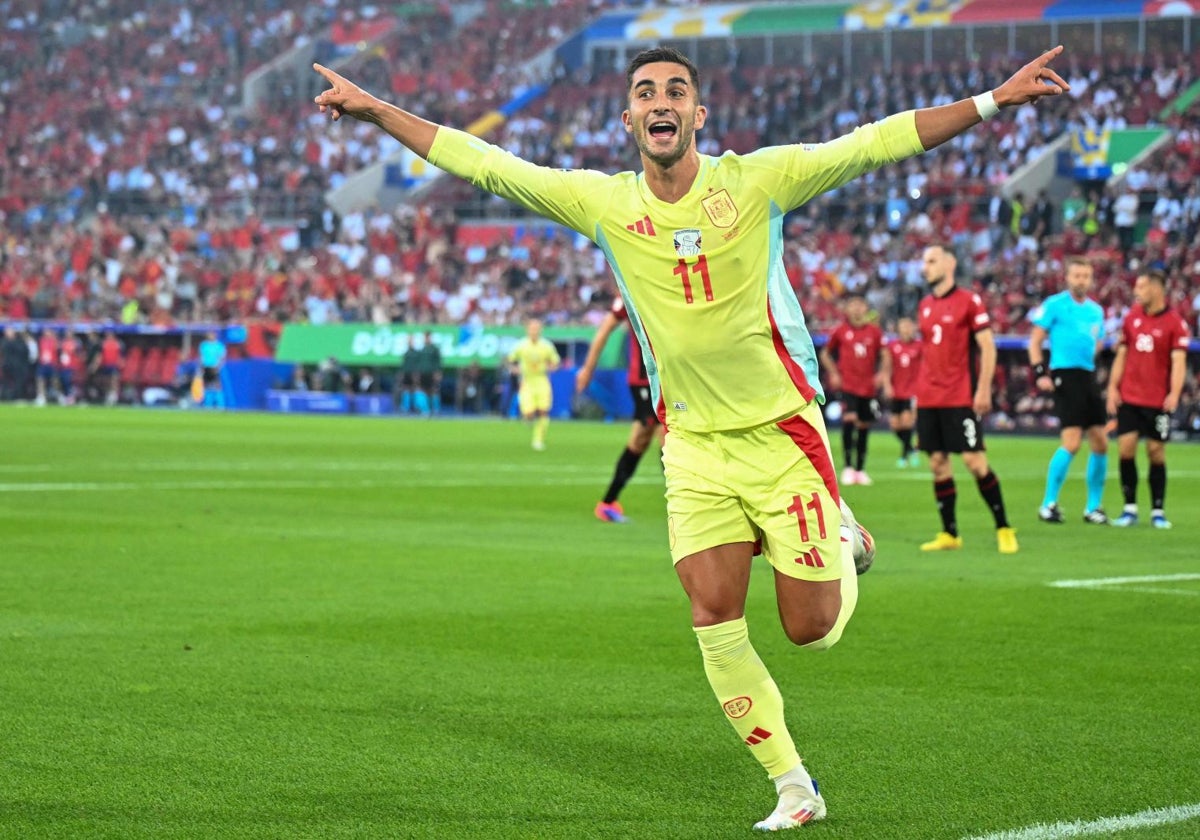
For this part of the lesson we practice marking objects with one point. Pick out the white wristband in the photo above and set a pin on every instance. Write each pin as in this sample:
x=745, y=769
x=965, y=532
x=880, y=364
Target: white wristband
x=985, y=104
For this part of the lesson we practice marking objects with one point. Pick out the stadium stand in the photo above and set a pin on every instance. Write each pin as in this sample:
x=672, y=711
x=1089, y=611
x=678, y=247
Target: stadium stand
x=161, y=202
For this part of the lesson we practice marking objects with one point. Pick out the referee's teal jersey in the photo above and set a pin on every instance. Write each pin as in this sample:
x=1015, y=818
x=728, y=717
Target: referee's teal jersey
x=1074, y=329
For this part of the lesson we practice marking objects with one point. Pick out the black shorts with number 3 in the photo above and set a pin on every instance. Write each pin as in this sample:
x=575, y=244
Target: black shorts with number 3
x=1149, y=422
x=865, y=408
x=949, y=430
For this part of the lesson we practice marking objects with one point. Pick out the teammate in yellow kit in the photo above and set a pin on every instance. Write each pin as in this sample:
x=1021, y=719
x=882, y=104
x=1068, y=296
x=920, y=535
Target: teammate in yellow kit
x=695, y=243
x=533, y=358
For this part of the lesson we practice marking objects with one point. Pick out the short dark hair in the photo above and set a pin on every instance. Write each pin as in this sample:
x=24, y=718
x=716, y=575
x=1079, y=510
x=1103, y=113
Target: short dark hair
x=1155, y=275
x=1079, y=260
x=657, y=54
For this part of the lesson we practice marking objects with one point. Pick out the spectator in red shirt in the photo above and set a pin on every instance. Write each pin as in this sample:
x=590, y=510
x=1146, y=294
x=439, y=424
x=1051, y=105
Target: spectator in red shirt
x=111, y=359
x=850, y=358
x=68, y=360
x=47, y=364
x=1144, y=389
x=901, y=367
x=952, y=396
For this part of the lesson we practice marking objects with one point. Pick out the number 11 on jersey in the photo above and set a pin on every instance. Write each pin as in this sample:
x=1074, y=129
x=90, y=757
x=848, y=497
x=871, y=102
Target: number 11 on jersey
x=685, y=272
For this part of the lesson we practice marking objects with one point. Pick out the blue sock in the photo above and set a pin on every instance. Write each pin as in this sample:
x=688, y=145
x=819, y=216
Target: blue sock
x=1056, y=475
x=1097, y=471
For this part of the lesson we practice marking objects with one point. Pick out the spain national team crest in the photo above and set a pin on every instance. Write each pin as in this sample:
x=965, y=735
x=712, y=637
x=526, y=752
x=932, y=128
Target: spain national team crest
x=687, y=242
x=738, y=706
x=720, y=208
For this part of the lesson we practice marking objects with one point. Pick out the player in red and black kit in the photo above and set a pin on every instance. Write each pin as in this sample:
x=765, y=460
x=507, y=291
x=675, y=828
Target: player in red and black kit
x=855, y=344
x=952, y=398
x=901, y=367
x=645, y=418
x=1143, y=391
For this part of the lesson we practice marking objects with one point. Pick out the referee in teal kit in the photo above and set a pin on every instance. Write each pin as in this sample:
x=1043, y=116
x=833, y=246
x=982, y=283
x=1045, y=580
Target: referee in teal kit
x=1074, y=323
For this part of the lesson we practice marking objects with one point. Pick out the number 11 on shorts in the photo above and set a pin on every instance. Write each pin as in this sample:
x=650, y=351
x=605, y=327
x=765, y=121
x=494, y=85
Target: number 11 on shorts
x=800, y=509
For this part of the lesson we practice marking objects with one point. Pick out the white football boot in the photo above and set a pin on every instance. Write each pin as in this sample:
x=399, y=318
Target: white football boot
x=798, y=804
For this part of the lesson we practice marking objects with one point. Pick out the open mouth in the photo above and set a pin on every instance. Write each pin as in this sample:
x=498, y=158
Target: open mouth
x=661, y=129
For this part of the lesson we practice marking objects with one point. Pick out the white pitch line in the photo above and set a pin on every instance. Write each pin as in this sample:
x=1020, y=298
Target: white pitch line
x=1105, y=825
x=1096, y=583
x=400, y=482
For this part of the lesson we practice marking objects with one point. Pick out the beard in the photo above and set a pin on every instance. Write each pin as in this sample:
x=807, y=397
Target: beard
x=683, y=139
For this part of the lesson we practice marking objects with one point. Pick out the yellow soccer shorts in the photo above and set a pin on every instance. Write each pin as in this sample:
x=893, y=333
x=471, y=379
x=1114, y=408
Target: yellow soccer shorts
x=775, y=483
x=535, y=396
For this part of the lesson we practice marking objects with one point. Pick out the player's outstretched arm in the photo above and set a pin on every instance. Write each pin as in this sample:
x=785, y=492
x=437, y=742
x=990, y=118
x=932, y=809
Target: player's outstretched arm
x=1033, y=81
x=346, y=99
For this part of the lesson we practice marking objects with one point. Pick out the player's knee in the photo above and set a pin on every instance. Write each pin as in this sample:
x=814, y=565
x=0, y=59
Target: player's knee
x=813, y=630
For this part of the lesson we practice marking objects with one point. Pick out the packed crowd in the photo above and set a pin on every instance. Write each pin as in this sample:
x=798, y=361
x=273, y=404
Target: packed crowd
x=174, y=143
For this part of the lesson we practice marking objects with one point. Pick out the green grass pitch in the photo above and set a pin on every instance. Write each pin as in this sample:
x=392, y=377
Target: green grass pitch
x=223, y=625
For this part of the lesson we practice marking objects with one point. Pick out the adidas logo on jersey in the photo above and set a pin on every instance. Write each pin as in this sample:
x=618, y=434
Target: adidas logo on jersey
x=643, y=226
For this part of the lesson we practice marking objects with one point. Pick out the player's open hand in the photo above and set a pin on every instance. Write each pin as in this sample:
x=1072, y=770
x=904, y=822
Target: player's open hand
x=1113, y=403
x=344, y=98
x=1033, y=81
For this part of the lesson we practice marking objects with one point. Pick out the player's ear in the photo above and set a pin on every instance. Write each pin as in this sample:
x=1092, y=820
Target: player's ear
x=627, y=121
x=701, y=116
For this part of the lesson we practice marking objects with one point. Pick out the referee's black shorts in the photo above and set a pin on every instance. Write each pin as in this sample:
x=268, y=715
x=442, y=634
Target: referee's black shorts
x=1077, y=401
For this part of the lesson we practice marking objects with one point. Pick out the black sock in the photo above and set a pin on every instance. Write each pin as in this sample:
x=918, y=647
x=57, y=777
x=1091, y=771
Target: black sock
x=906, y=446
x=989, y=488
x=1129, y=480
x=947, y=495
x=1158, y=486
x=626, y=465
x=860, y=455
x=848, y=430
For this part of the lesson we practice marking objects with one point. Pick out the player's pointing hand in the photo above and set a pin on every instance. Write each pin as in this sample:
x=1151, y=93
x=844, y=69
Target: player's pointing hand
x=344, y=98
x=1033, y=81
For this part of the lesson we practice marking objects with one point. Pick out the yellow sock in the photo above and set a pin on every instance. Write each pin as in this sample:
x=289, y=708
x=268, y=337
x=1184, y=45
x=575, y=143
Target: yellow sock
x=849, y=601
x=747, y=694
x=540, y=425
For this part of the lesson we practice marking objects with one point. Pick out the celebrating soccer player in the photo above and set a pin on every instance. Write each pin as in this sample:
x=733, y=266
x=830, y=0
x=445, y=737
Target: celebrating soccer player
x=1143, y=391
x=696, y=243
x=1074, y=323
x=533, y=358
x=850, y=358
x=901, y=367
x=957, y=330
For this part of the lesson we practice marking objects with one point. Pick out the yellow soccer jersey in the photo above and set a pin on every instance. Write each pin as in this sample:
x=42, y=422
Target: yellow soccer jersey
x=534, y=359
x=703, y=281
